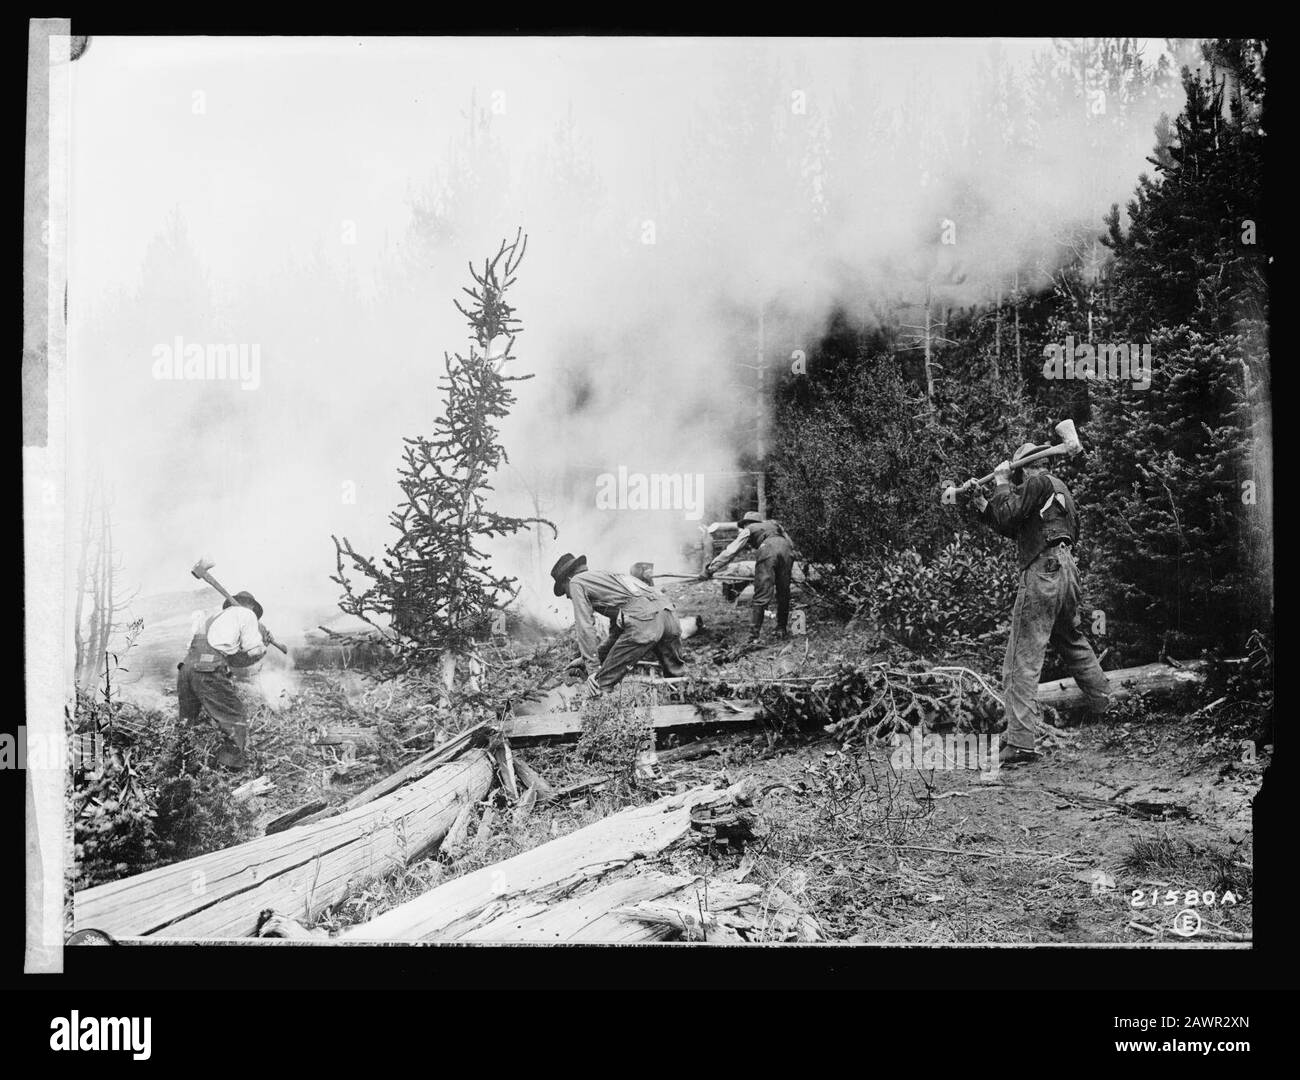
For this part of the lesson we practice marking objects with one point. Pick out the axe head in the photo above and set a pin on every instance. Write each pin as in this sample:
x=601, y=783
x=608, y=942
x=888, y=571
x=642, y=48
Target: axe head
x=1069, y=437
x=202, y=567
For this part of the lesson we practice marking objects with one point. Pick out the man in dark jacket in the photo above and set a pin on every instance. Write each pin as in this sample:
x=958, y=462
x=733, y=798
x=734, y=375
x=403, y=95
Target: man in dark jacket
x=773, y=565
x=235, y=637
x=641, y=621
x=1040, y=515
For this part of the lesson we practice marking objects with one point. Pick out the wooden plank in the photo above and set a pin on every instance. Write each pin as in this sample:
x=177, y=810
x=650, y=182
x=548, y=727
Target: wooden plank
x=663, y=717
x=297, y=873
x=545, y=873
x=1124, y=682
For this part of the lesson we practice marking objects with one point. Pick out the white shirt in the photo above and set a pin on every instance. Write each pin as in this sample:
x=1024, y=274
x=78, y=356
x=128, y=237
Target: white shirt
x=235, y=630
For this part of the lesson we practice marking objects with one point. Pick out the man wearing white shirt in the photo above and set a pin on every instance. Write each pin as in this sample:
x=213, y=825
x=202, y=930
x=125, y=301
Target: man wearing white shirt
x=234, y=637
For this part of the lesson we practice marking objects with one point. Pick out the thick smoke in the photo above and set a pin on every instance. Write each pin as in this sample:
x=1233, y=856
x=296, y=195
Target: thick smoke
x=320, y=201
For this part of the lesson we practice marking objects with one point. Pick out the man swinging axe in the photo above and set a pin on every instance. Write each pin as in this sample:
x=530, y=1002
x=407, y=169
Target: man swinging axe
x=234, y=637
x=773, y=566
x=641, y=621
x=1036, y=509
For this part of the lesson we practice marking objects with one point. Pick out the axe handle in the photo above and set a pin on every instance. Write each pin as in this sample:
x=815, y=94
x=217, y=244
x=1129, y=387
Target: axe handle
x=222, y=590
x=1038, y=455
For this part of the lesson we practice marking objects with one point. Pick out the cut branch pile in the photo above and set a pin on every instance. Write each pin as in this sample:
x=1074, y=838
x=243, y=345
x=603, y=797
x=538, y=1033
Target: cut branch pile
x=880, y=701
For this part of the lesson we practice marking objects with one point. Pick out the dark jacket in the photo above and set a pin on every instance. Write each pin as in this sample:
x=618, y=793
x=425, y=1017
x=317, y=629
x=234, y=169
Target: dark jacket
x=1036, y=515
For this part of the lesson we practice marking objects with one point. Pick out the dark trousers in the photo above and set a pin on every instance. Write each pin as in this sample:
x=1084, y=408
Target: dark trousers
x=772, y=571
x=212, y=692
x=1047, y=611
x=626, y=646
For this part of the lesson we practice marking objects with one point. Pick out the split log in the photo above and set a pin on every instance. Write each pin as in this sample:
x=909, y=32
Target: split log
x=299, y=872
x=500, y=750
x=260, y=786
x=292, y=817
x=533, y=779
x=485, y=827
x=1064, y=694
x=455, y=838
x=421, y=766
x=628, y=907
x=526, y=803
x=521, y=886
x=663, y=717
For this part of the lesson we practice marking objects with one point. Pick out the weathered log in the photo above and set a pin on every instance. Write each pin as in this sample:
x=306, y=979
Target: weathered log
x=663, y=717
x=537, y=878
x=421, y=766
x=531, y=778
x=1163, y=679
x=298, y=873
x=501, y=754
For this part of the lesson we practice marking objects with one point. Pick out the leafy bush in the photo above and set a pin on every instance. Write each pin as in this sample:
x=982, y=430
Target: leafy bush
x=964, y=592
x=960, y=600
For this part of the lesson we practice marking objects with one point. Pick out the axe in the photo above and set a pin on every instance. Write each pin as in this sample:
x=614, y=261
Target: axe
x=1067, y=447
x=200, y=570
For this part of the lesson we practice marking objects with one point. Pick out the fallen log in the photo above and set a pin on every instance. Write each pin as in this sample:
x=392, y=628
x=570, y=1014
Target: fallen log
x=297, y=873
x=654, y=906
x=521, y=886
x=663, y=717
x=1065, y=695
x=421, y=766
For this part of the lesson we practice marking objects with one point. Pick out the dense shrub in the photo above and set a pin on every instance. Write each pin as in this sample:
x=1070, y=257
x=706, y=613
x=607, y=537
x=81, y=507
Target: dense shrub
x=965, y=592
x=146, y=796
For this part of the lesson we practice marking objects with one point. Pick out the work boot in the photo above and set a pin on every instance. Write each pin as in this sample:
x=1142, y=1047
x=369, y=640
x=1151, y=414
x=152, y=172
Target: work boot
x=756, y=612
x=1018, y=755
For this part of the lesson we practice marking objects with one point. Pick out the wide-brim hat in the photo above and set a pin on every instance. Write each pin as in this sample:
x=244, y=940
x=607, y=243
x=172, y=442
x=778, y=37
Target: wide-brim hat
x=643, y=571
x=1025, y=450
x=245, y=599
x=565, y=567
x=751, y=518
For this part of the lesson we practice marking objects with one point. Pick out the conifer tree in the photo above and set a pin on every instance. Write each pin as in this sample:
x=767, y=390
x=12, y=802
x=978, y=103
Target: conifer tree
x=434, y=588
